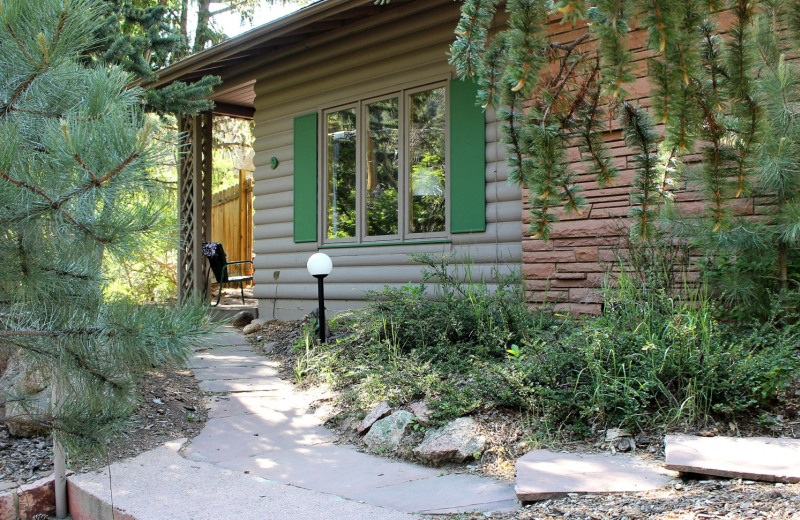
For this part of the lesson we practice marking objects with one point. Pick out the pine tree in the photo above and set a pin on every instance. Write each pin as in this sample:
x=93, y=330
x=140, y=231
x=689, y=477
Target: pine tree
x=77, y=186
x=142, y=37
x=729, y=97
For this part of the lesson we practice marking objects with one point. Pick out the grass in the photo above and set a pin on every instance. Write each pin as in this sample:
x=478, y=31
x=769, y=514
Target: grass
x=655, y=358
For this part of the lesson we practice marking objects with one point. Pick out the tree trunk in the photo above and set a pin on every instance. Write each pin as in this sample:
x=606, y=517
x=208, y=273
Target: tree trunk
x=783, y=266
x=59, y=463
x=185, y=19
x=201, y=30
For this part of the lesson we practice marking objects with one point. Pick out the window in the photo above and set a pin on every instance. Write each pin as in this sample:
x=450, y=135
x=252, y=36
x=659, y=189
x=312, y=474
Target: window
x=385, y=168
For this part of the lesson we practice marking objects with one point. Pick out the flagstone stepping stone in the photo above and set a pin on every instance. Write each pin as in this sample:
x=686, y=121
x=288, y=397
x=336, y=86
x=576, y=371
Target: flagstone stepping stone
x=377, y=413
x=225, y=336
x=214, y=359
x=456, y=441
x=543, y=475
x=754, y=458
x=385, y=435
x=251, y=372
x=443, y=495
x=242, y=385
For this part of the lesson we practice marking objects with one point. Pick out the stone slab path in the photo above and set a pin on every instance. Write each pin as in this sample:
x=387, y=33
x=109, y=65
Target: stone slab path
x=162, y=484
x=753, y=458
x=262, y=445
x=542, y=475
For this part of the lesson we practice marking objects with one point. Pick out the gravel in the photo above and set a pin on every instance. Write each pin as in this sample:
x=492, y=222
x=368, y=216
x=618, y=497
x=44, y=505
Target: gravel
x=23, y=460
x=172, y=407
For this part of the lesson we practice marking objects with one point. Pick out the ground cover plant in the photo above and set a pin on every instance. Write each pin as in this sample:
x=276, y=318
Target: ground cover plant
x=654, y=359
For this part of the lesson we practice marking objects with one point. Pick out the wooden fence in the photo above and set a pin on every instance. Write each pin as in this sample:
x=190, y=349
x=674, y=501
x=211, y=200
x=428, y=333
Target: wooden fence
x=232, y=223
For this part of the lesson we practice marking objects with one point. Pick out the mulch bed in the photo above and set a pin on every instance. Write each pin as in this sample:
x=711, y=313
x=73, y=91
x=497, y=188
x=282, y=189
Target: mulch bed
x=173, y=407
x=684, y=500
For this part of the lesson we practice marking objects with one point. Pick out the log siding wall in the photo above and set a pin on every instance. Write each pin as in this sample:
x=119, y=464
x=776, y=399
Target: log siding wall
x=412, y=49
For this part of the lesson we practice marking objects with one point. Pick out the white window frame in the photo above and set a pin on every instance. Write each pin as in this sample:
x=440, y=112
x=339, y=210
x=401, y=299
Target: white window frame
x=404, y=181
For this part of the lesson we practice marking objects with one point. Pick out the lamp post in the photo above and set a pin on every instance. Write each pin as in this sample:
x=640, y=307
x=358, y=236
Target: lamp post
x=320, y=266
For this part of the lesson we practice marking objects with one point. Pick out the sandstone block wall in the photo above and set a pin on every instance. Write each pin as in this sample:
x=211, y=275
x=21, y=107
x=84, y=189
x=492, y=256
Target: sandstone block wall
x=568, y=269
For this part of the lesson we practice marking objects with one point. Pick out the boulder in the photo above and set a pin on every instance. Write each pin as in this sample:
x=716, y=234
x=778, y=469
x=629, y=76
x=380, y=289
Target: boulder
x=456, y=441
x=377, y=413
x=242, y=319
x=251, y=329
x=420, y=411
x=20, y=378
x=385, y=435
x=624, y=444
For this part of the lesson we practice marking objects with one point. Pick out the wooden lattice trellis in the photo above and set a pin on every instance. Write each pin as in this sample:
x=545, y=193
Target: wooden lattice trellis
x=194, y=200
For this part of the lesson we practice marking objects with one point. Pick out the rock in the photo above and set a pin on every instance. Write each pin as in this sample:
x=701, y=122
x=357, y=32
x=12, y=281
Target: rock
x=269, y=347
x=260, y=321
x=623, y=444
x=34, y=500
x=615, y=433
x=20, y=378
x=377, y=413
x=251, y=329
x=385, y=434
x=457, y=441
x=421, y=411
x=242, y=319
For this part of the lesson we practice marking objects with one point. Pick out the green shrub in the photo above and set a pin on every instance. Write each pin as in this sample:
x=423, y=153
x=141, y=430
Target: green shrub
x=654, y=357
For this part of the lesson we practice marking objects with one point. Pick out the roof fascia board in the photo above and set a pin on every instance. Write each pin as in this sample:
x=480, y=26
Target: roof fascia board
x=248, y=71
x=257, y=36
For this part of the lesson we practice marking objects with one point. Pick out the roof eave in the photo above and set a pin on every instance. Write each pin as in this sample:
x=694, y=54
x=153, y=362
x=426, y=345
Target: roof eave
x=252, y=37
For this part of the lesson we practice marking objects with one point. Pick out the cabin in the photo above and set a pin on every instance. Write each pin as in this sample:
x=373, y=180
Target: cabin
x=368, y=148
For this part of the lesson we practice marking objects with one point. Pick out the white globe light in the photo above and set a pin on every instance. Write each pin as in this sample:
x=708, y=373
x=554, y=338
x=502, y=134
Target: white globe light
x=319, y=264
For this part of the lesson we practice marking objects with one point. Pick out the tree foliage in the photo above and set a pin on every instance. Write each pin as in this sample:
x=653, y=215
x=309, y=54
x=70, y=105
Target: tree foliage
x=144, y=36
x=727, y=94
x=77, y=187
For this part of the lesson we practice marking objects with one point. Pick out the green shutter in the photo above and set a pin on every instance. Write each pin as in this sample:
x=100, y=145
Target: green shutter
x=467, y=159
x=305, y=178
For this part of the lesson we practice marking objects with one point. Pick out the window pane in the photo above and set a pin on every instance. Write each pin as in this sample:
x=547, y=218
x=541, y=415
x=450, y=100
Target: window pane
x=341, y=130
x=427, y=161
x=382, y=165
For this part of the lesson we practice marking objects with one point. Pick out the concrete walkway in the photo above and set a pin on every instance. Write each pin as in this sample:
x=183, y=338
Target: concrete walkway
x=260, y=444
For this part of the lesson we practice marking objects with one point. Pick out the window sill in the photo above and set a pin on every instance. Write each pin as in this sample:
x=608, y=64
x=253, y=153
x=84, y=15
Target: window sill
x=376, y=244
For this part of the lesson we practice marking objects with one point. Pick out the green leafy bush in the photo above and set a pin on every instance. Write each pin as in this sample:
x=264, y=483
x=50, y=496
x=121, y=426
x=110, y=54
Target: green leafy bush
x=653, y=358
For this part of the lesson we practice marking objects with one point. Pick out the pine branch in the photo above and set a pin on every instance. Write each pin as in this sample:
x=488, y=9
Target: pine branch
x=639, y=136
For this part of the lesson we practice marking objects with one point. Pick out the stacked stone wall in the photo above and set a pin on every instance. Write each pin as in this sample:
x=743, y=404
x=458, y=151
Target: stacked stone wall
x=569, y=268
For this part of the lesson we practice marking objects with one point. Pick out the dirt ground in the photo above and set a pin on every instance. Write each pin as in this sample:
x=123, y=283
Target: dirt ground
x=172, y=407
